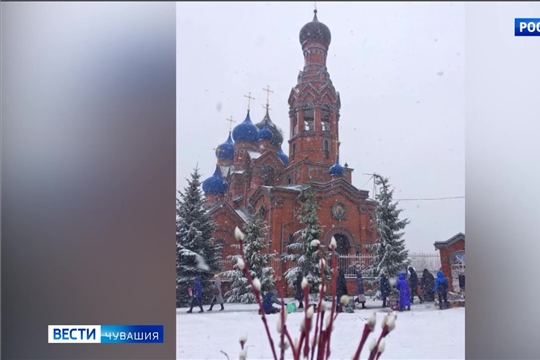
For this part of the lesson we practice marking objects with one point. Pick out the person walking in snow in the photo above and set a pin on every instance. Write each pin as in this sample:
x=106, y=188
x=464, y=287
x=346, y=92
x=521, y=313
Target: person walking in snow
x=299, y=295
x=413, y=280
x=428, y=282
x=384, y=288
x=441, y=287
x=341, y=286
x=269, y=299
x=404, y=294
x=217, y=296
x=197, y=295
x=360, y=297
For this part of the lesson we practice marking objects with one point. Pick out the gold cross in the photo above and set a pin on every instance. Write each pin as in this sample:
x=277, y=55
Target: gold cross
x=268, y=91
x=249, y=97
x=231, y=121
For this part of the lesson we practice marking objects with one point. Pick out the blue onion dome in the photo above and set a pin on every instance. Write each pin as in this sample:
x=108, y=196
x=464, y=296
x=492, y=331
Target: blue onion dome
x=225, y=151
x=336, y=169
x=215, y=184
x=246, y=131
x=277, y=138
x=283, y=156
x=315, y=30
x=265, y=133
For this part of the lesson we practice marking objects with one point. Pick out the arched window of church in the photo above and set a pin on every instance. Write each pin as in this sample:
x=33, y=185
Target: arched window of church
x=290, y=242
x=262, y=212
x=295, y=127
x=326, y=149
x=325, y=119
x=289, y=179
x=268, y=175
x=309, y=119
x=293, y=149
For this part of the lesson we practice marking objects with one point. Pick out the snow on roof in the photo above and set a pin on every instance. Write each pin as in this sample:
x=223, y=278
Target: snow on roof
x=226, y=169
x=451, y=241
x=254, y=155
x=242, y=215
x=299, y=187
x=238, y=172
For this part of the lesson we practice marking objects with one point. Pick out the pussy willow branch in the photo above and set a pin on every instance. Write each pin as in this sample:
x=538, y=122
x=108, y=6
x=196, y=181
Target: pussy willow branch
x=256, y=292
x=282, y=314
x=365, y=335
x=295, y=356
x=321, y=337
x=303, y=334
x=319, y=305
x=375, y=350
x=334, y=294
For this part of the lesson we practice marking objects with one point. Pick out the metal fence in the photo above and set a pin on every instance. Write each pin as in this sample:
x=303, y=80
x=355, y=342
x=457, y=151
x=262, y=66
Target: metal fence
x=419, y=261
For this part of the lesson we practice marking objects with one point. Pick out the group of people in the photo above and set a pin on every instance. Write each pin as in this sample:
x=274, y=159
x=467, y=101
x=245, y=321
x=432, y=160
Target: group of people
x=408, y=288
x=197, y=292
x=341, y=290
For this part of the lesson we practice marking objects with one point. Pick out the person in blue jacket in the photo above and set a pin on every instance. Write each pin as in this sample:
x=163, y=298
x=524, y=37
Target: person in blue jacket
x=404, y=294
x=269, y=299
x=441, y=288
x=197, y=295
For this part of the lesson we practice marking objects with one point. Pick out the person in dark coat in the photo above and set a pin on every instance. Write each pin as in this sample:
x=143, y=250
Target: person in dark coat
x=404, y=294
x=428, y=282
x=269, y=299
x=441, y=287
x=299, y=295
x=217, y=295
x=360, y=297
x=197, y=295
x=413, y=281
x=341, y=286
x=384, y=288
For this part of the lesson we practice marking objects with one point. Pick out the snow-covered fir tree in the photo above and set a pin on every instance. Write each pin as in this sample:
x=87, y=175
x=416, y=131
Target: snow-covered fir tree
x=389, y=252
x=302, y=252
x=258, y=261
x=197, y=254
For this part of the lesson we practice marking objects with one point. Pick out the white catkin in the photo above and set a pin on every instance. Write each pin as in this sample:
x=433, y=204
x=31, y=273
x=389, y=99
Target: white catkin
x=238, y=234
x=243, y=354
x=257, y=284
x=333, y=243
x=243, y=338
x=372, y=321
x=240, y=264
x=382, y=345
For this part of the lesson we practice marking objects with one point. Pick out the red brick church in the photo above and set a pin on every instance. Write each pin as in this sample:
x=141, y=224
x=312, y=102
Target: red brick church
x=253, y=174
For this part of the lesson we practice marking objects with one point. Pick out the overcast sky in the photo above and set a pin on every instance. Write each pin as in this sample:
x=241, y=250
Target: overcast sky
x=399, y=68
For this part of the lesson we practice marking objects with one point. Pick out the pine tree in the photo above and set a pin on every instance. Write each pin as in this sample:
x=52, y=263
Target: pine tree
x=389, y=253
x=197, y=254
x=258, y=261
x=302, y=251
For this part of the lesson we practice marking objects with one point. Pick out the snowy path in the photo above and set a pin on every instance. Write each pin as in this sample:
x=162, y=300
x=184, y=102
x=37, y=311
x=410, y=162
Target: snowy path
x=423, y=333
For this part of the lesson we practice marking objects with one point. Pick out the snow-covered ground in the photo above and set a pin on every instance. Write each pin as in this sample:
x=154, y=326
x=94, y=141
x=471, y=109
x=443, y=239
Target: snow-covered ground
x=422, y=333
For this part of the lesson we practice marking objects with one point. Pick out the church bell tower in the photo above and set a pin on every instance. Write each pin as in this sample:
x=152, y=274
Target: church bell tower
x=314, y=103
